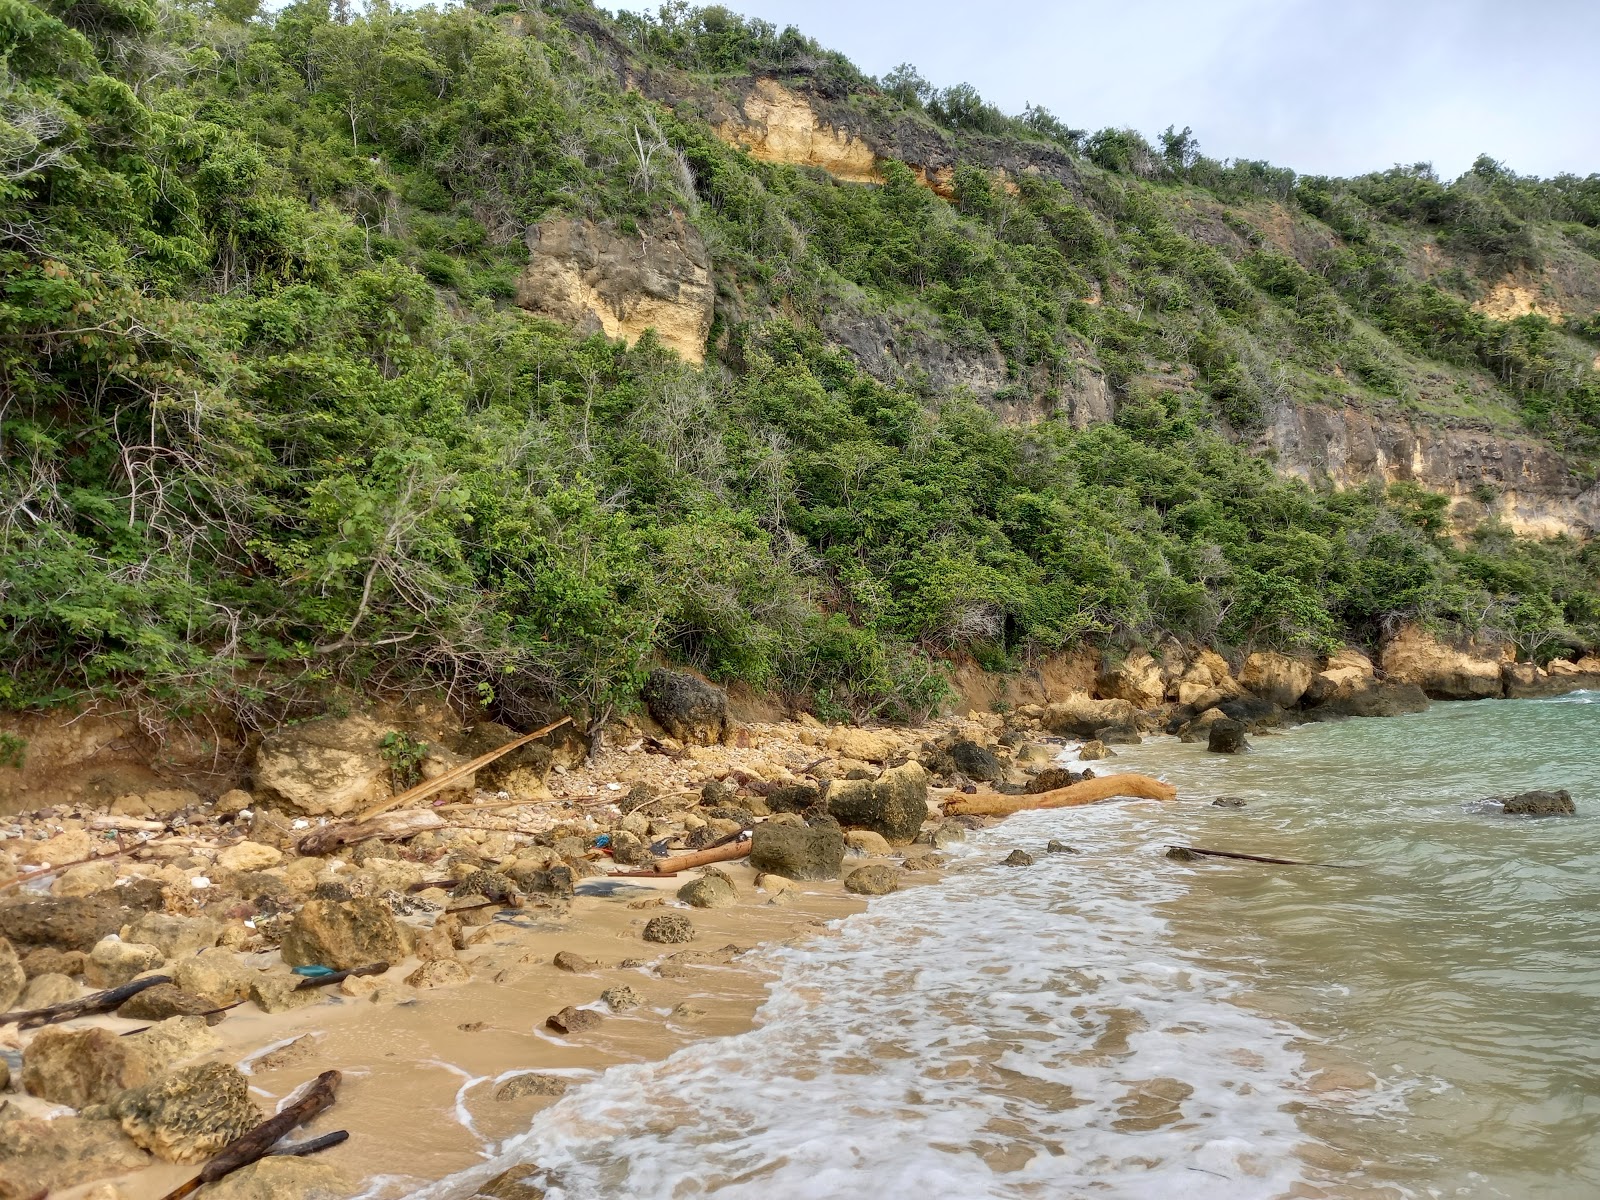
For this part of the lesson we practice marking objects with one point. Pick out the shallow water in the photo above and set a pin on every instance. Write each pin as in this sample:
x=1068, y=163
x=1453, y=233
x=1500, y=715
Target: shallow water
x=1113, y=1023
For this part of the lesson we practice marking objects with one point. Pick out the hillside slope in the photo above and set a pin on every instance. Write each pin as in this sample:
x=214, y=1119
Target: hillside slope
x=507, y=348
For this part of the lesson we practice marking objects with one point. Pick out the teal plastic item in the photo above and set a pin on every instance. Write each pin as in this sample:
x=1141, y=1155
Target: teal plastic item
x=313, y=972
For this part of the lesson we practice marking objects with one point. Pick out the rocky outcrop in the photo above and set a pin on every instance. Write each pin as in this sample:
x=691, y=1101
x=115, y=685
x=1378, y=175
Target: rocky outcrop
x=1535, y=492
x=1083, y=717
x=1138, y=679
x=1443, y=672
x=1276, y=677
x=1557, y=803
x=331, y=766
x=687, y=707
x=776, y=124
x=599, y=280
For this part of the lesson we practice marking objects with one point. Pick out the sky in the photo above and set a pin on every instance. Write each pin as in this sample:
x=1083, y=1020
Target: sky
x=1334, y=87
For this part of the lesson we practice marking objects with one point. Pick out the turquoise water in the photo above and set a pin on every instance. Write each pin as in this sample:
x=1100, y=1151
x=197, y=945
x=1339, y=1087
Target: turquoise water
x=1113, y=1023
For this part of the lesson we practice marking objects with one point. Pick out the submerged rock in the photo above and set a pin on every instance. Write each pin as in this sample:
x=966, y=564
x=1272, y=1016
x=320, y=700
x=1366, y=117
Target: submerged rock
x=572, y=1019
x=515, y=1183
x=1557, y=803
x=875, y=880
x=1017, y=858
x=531, y=1083
x=1055, y=847
x=1228, y=802
x=1226, y=737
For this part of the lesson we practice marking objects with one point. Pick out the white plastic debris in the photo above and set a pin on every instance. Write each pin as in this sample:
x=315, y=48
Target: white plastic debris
x=200, y=881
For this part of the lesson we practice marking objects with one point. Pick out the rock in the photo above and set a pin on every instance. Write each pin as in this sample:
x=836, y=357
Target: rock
x=1049, y=779
x=976, y=762
x=491, y=885
x=175, y=937
x=43, y=991
x=1228, y=802
x=1276, y=677
x=775, y=885
x=555, y=881
x=1369, y=699
x=113, y=962
x=669, y=929
x=38, y=1155
x=279, y=991
x=171, y=1041
x=249, y=856
x=948, y=834
x=566, y=960
x=1137, y=680
x=1017, y=858
x=49, y=961
x=1094, y=750
x=78, y=1067
x=867, y=745
x=189, y=1114
x=331, y=766
x=281, y=1178
x=68, y=922
x=814, y=852
x=85, y=880
x=163, y=1001
x=894, y=805
x=877, y=880
x=621, y=998
x=215, y=976
x=572, y=1020
x=512, y=1184
x=13, y=979
x=343, y=934
x=1558, y=803
x=66, y=847
x=532, y=1083
x=1226, y=737
x=441, y=972
x=234, y=801
x=1442, y=672
x=686, y=706
x=1081, y=717
x=866, y=842
x=1253, y=712
x=520, y=773
x=1055, y=847
x=709, y=891
x=793, y=798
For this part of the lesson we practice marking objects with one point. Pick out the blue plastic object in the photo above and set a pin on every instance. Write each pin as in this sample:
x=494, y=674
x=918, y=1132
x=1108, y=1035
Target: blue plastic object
x=313, y=972
x=603, y=840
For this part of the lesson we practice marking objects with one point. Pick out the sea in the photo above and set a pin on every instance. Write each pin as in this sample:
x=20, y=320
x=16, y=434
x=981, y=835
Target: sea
x=1419, y=1017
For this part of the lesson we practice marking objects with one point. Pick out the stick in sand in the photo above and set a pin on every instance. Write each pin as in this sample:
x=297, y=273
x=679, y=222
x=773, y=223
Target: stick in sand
x=1089, y=791
x=704, y=858
x=248, y=1147
x=97, y=1002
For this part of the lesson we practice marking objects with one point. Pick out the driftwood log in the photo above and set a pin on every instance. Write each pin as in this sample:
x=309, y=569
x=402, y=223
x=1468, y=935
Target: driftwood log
x=1090, y=791
x=437, y=784
x=249, y=1147
x=310, y=1145
x=1186, y=853
x=703, y=858
x=84, y=1006
x=387, y=827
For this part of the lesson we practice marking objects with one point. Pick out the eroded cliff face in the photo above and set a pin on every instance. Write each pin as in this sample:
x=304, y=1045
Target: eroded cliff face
x=1536, y=493
x=599, y=280
x=779, y=125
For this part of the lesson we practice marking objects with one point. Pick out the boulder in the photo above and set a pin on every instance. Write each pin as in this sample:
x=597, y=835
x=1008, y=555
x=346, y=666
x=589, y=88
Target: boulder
x=171, y=1041
x=71, y=846
x=189, y=1114
x=1557, y=803
x=532, y=1083
x=893, y=806
x=709, y=891
x=1276, y=677
x=175, y=937
x=49, y=961
x=441, y=972
x=687, y=707
x=328, y=767
x=1017, y=858
x=1049, y=779
x=37, y=1155
x=865, y=745
x=573, y=1020
x=216, y=976
x=875, y=880
x=669, y=929
x=1346, y=675
x=1371, y=700
x=343, y=934
x=163, y=1001
x=281, y=1178
x=1080, y=716
x=1226, y=737
x=1137, y=679
x=977, y=762
x=1253, y=712
x=280, y=991
x=1094, y=750
x=514, y=1183
x=520, y=773
x=74, y=922
x=113, y=962
x=793, y=797
x=864, y=841
x=813, y=852
x=45, y=991
x=78, y=1067
x=1442, y=672
x=566, y=960
x=249, y=856
x=13, y=979
x=621, y=998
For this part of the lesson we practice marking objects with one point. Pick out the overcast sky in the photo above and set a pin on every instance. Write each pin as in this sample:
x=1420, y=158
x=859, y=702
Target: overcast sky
x=1323, y=86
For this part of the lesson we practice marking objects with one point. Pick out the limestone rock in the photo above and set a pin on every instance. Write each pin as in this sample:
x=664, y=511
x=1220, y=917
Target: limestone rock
x=814, y=852
x=521, y=773
x=868, y=745
x=1093, y=751
x=669, y=929
x=1276, y=677
x=441, y=972
x=331, y=766
x=234, y=800
x=67, y=922
x=66, y=847
x=163, y=1001
x=281, y=1178
x=866, y=842
x=78, y=1067
x=43, y=991
x=1057, y=847
x=514, y=1183
x=977, y=762
x=1082, y=717
x=171, y=1041
x=1442, y=672
x=1556, y=803
x=686, y=706
x=597, y=279
x=566, y=960
x=215, y=976
x=279, y=991
x=13, y=979
x=113, y=962
x=249, y=856
x=893, y=806
x=531, y=1083
x=343, y=934
x=1226, y=737
x=572, y=1020
x=36, y=1154
x=189, y=1114
x=621, y=998
x=709, y=891
x=1370, y=699
x=876, y=880
x=175, y=937
x=1137, y=680
x=49, y=961
x=85, y=880
x=775, y=885
x=1017, y=858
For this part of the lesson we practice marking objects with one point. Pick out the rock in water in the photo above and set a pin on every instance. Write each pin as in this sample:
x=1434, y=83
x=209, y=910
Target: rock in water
x=573, y=1020
x=1049, y=779
x=1017, y=858
x=281, y=1178
x=514, y=1184
x=1094, y=750
x=1226, y=737
x=1055, y=847
x=670, y=929
x=566, y=960
x=188, y=1114
x=813, y=852
x=531, y=1083
x=621, y=998
x=1228, y=802
x=872, y=881
x=709, y=891
x=79, y=1067
x=343, y=934
x=1556, y=803
x=686, y=706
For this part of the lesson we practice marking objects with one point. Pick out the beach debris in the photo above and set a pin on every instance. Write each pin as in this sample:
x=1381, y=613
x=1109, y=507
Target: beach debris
x=96, y=1002
x=326, y=978
x=385, y=827
x=257, y=1142
x=1018, y=858
x=572, y=1019
x=324, y=1141
x=876, y=880
x=1192, y=853
x=669, y=929
x=443, y=780
x=734, y=846
x=1089, y=791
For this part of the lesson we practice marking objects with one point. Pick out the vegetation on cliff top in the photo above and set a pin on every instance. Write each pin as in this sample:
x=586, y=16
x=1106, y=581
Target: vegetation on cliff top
x=269, y=419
